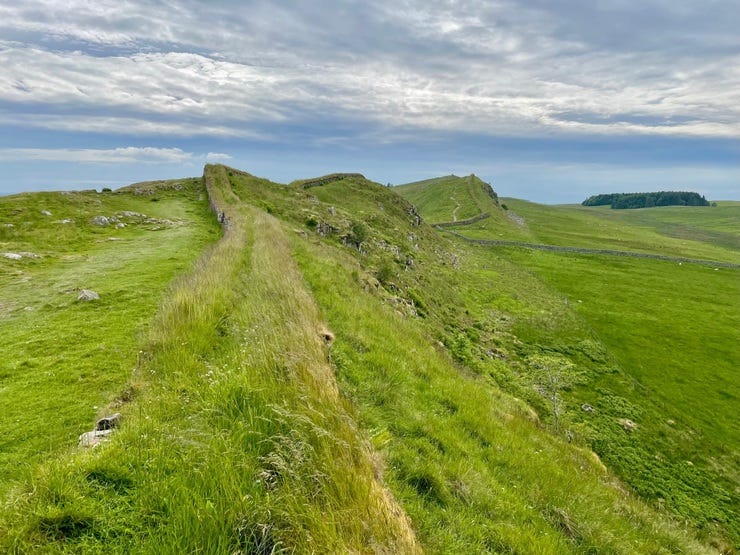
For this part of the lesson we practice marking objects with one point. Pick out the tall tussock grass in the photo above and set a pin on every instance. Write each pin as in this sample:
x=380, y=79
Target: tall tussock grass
x=237, y=442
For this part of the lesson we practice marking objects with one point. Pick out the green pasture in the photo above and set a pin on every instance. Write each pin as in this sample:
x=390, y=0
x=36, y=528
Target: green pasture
x=65, y=361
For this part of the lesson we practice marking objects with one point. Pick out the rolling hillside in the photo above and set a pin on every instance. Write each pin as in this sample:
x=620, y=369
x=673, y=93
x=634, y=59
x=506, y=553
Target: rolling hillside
x=331, y=375
x=660, y=289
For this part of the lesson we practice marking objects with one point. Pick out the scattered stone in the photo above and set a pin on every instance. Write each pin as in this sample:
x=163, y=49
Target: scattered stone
x=46, y=213
x=103, y=429
x=587, y=408
x=88, y=295
x=26, y=254
x=131, y=215
x=94, y=438
x=8, y=225
x=101, y=221
x=12, y=255
x=628, y=424
x=332, y=211
x=670, y=422
x=67, y=221
x=109, y=422
x=120, y=225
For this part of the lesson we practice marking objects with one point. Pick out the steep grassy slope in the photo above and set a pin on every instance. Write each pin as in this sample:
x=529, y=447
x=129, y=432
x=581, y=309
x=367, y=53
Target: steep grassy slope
x=327, y=379
x=451, y=198
x=669, y=347
x=64, y=360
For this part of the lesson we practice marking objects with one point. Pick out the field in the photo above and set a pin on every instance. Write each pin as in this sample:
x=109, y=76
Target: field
x=65, y=360
x=332, y=375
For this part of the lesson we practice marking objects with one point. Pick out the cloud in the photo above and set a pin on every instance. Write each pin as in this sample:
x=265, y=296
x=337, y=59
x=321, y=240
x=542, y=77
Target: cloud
x=234, y=69
x=217, y=157
x=125, y=155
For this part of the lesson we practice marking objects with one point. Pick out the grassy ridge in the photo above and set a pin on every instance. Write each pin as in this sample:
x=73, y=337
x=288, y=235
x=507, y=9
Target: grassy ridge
x=450, y=198
x=470, y=465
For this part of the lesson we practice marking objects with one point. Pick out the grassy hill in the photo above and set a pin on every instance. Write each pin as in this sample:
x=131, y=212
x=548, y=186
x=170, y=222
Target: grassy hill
x=671, y=340
x=330, y=375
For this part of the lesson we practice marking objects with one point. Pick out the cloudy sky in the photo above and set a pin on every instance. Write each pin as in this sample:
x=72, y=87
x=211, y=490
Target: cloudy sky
x=547, y=100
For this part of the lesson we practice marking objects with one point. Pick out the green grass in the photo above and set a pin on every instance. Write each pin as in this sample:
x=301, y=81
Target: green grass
x=690, y=232
x=413, y=430
x=450, y=198
x=653, y=341
x=672, y=331
x=64, y=361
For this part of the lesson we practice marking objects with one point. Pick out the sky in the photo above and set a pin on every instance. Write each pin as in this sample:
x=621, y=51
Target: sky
x=547, y=100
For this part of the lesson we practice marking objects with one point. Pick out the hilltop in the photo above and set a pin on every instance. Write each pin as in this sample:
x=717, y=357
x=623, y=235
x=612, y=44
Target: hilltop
x=328, y=372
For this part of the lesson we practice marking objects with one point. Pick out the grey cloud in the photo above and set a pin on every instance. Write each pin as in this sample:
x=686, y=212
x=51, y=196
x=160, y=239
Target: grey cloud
x=498, y=68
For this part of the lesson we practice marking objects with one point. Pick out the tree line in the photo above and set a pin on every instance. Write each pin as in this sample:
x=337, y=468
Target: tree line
x=647, y=200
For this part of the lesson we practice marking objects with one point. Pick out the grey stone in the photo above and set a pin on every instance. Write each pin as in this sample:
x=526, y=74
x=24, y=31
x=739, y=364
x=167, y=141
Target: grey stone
x=109, y=422
x=93, y=438
x=88, y=295
x=102, y=221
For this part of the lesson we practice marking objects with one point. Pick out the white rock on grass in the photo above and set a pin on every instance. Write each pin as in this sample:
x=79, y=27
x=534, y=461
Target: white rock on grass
x=12, y=255
x=46, y=213
x=88, y=295
x=102, y=221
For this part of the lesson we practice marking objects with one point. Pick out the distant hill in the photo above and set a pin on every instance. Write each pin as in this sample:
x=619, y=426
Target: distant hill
x=647, y=200
x=451, y=198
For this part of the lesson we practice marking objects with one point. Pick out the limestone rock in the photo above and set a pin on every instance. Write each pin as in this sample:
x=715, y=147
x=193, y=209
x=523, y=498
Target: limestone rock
x=88, y=295
x=93, y=438
x=101, y=221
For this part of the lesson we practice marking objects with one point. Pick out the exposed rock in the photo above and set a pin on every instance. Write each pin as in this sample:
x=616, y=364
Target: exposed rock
x=8, y=225
x=131, y=215
x=46, y=213
x=109, y=422
x=628, y=424
x=103, y=429
x=67, y=221
x=88, y=295
x=12, y=255
x=94, y=438
x=587, y=408
x=26, y=254
x=101, y=221
x=120, y=225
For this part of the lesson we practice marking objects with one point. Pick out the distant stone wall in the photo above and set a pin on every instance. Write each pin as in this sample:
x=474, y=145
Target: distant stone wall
x=317, y=182
x=472, y=220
